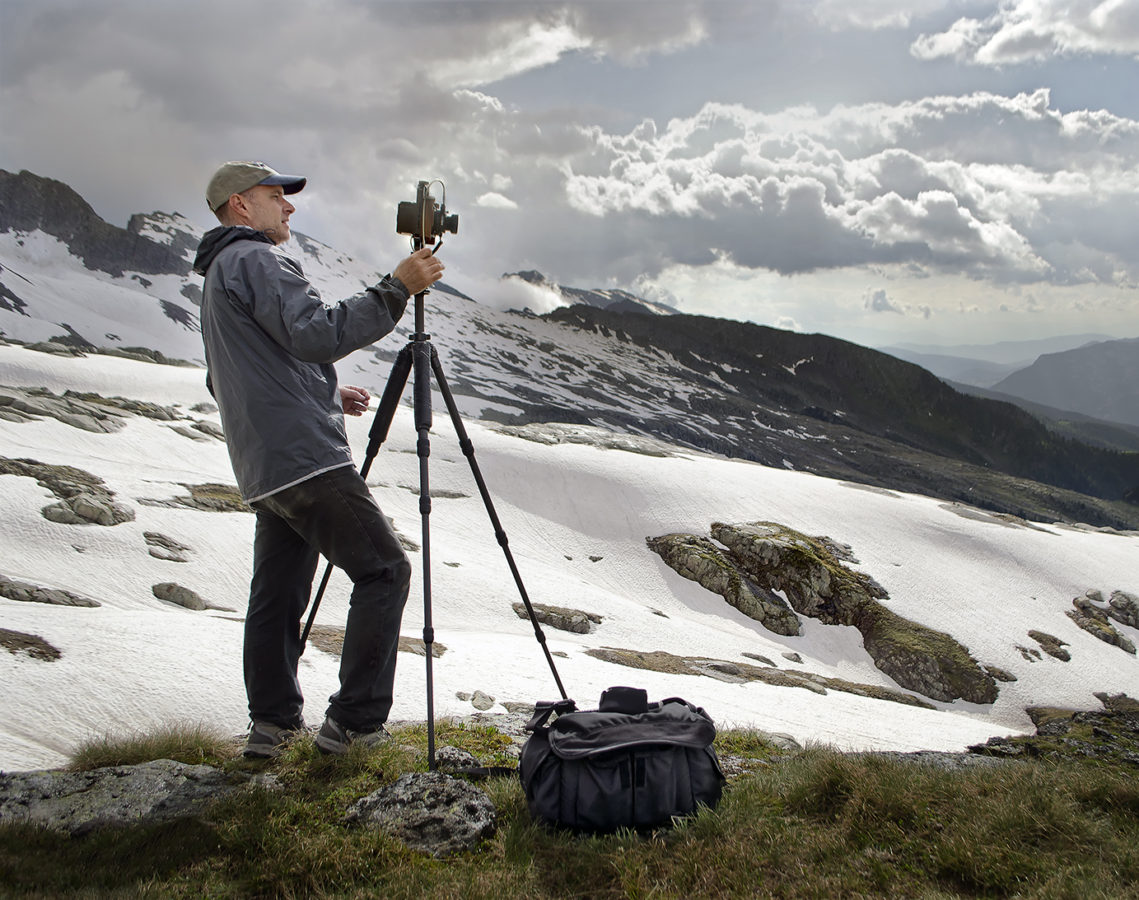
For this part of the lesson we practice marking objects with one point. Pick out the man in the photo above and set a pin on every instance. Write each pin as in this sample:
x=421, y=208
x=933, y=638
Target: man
x=270, y=343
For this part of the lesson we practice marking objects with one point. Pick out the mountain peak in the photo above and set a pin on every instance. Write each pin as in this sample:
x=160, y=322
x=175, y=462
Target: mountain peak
x=30, y=202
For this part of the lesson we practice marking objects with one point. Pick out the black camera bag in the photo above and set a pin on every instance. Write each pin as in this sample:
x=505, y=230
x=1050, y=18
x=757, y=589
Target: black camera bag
x=628, y=764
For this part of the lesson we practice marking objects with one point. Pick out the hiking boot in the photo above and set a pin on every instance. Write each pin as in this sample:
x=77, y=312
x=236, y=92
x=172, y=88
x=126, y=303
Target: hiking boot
x=266, y=740
x=334, y=738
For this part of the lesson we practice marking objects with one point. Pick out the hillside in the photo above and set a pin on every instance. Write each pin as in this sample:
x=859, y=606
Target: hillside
x=807, y=402
x=1101, y=380
x=860, y=414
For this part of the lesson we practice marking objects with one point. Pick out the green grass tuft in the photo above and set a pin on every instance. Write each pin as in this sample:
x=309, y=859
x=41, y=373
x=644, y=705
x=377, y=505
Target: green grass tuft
x=195, y=744
x=811, y=824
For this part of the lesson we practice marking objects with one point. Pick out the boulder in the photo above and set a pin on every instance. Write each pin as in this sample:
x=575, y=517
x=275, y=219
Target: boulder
x=171, y=592
x=430, y=812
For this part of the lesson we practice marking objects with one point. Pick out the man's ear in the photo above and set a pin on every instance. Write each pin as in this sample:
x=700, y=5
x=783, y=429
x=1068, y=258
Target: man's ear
x=234, y=210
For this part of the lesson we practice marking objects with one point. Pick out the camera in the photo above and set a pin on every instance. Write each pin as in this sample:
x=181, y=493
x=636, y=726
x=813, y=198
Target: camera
x=425, y=220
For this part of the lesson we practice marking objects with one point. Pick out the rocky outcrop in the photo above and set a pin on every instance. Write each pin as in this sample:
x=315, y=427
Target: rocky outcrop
x=85, y=499
x=1122, y=606
x=205, y=497
x=78, y=802
x=1110, y=735
x=29, y=202
x=575, y=621
x=699, y=560
x=1051, y=645
x=816, y=583
x=430, y=812
x=33, y=593
x=1094, y=618
x=330, y=639
x=160, y=546
x=764, y=562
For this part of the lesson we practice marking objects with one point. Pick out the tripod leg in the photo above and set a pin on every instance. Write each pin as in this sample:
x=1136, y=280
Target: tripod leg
x=381, y=425
x=422, y=352
x=499, y=533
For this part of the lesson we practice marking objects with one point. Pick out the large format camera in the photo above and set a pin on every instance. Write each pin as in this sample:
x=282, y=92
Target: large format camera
x=425, y=220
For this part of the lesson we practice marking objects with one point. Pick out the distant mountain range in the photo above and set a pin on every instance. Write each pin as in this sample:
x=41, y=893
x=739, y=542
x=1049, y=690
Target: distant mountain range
x=807, y=402
x=1101, y=380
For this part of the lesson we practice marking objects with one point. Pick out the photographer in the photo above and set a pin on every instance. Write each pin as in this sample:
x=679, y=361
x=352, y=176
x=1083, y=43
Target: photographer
x=270, y=343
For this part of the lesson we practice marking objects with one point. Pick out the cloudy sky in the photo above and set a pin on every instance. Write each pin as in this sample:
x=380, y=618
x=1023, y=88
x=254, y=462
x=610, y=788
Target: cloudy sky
x=934, y=171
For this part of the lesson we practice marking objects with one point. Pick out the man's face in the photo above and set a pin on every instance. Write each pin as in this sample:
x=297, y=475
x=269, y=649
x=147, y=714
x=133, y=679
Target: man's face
x=267, y=210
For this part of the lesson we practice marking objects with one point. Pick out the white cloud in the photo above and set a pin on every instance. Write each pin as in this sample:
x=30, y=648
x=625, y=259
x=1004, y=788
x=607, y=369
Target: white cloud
x=1033, y=30
x=978, y=183
x=840, y=14
x=494, y=200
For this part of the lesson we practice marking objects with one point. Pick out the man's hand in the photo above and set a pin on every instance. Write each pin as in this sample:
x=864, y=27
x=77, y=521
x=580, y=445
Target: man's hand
x=355, y=400
x=419, y=271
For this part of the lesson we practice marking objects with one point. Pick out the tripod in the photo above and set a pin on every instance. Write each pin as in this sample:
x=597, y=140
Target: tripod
x=419, y=355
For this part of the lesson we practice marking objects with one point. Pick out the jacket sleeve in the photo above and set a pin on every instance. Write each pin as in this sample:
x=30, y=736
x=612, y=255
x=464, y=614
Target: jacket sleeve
x=292, y=313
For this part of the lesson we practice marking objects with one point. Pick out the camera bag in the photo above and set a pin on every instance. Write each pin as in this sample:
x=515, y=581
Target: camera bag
x=627, y=764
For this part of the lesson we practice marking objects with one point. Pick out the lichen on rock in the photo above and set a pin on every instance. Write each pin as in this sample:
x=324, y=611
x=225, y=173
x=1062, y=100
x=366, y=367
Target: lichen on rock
x=700, y=560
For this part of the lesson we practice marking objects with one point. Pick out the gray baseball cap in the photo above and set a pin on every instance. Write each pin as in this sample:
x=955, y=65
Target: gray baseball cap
x=235, y=177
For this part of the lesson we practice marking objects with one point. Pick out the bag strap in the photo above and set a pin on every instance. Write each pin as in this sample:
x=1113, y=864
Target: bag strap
x=543, y=709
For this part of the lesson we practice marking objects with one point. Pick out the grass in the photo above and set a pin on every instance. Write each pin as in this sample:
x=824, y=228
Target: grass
x=813, y=824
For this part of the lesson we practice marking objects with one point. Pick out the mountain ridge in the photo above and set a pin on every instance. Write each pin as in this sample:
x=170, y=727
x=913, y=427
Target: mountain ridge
x=1101, y=380
x=810, y=402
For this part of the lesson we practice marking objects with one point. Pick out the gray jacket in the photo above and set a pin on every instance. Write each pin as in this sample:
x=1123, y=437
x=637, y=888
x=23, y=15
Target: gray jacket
x=270, y=342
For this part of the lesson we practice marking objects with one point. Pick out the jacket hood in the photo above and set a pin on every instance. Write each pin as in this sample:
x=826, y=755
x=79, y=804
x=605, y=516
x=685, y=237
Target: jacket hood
x=216, y=239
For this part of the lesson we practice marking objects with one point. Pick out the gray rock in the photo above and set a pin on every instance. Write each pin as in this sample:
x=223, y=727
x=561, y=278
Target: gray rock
x=575, y=621
x=172, y=592
x=1095, y=622
x=430, y=812
x=88, y=508
x=1124, y=607
x=481, y=701
x=818, y=584
x=77, y=802
x=30, y=593
x=162, y=547
x=208, y=428
x=450, y=759
x=700, y=560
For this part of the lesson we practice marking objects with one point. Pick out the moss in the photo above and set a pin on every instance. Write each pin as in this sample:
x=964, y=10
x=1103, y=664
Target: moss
x=818, y=584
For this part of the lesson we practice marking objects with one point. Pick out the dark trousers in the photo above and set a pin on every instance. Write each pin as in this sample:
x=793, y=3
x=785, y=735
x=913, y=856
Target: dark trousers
x=332, y=515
